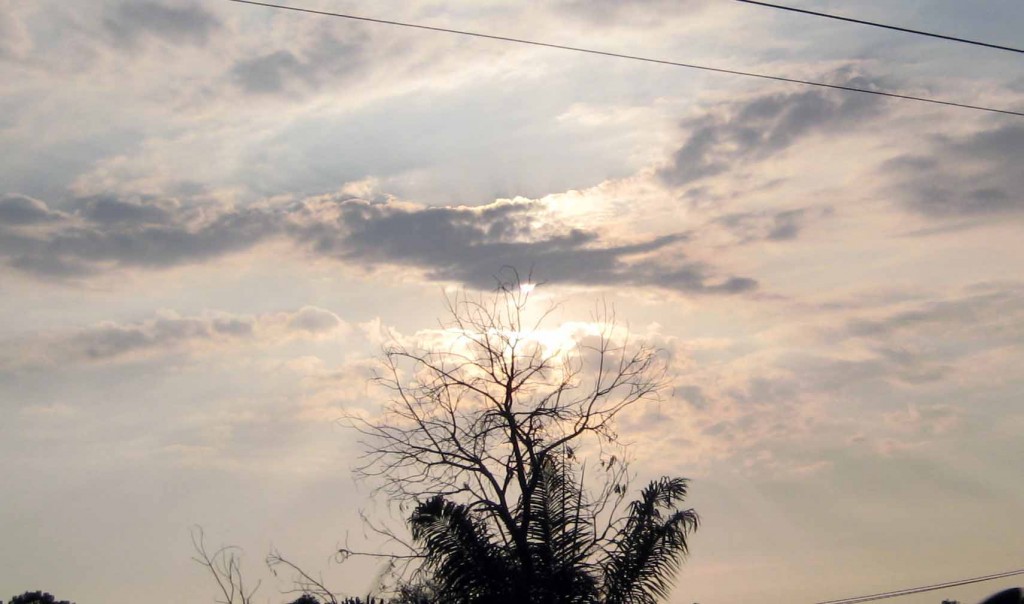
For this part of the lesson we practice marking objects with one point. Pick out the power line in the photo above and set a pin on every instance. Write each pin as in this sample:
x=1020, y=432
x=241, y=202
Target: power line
x=883, y=25
x=633, y=57
x=916, y=590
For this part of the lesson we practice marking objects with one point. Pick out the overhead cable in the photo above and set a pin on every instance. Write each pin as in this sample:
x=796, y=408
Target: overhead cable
x=883, y=25
x=633, y=57
x=922, y=589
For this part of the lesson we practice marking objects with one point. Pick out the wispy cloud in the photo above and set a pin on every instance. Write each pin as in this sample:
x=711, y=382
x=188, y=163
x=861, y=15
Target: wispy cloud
x=764, y=125
x=328, y=58
x=167, y=334
x=974, y=175
x=131, y=21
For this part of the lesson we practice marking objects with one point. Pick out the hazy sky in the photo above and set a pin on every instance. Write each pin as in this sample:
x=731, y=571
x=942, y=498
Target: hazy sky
x=210, y=214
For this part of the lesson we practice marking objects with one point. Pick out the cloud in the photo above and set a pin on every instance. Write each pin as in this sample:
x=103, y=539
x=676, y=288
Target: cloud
x=970, y=176
x=328, y=58
x=107, y=232
x=783, y=225
x=109, y=210
x=760, y=127
x=873, y=380
x=114, y=341
x=168, y=334
x=989, y=313
x=178, y=24
x=15, y=40
x=267, y=73
x=915, y=343
x=636, y=12
x=472, y=244
x=315, y=320
x=22, y=210
x=465, y=244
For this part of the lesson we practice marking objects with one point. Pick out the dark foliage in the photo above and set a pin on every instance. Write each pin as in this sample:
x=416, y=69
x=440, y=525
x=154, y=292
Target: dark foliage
x=36, y=597
x=310, y=599
x=563, y=564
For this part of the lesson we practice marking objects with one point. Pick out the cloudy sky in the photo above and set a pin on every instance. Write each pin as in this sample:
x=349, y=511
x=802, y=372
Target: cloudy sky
x=210, y=213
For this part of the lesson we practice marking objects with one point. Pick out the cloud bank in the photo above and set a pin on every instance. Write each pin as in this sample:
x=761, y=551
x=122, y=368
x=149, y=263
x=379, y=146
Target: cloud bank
x=468, y=245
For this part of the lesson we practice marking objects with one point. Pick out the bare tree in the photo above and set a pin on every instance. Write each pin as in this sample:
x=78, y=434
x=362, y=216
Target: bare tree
x=481, y=419
x=482, y=445
x=303, y=583
x=224, y=565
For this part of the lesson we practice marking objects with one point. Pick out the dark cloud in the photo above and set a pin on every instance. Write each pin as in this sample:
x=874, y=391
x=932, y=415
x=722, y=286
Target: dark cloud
x=694, y=395
x=315, y=320
x=23, y=210
x=113, y=341
x=179, y=24
x=465, y=244
x=973, y=176
x=50, y=266
x=267, y=73
x=471, y=245
x=327, y=58
x=109, y=232
x=772, y=226
x=107, y=209
x=763, y=126
x=786, y=225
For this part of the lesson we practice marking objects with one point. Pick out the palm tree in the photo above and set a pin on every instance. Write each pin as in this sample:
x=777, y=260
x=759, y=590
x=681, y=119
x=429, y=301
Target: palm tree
x=565, y=561
x=651, y=546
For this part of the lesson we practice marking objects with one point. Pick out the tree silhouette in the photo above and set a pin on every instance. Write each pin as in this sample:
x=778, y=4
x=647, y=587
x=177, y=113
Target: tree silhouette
x=480, y=436
x=36, y=597
x=224, y=565
x=470, y=566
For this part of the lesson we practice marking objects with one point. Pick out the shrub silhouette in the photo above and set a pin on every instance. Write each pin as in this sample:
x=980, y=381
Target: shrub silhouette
x=36, y=597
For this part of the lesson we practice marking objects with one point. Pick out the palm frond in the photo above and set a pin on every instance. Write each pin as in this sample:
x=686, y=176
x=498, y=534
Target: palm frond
x=650, y=546
x=560, y=534
x=460, y=552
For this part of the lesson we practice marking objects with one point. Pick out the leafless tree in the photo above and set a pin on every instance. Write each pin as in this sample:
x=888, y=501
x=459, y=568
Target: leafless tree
x=303, y=583
x=475, y=414
x=225, y=566
x=482, y=444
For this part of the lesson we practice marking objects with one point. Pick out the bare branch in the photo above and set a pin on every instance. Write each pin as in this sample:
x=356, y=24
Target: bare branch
x=225, y=566
x=473, y=415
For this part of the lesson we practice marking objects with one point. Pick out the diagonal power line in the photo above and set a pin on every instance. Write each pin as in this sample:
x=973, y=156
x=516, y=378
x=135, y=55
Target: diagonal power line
x=632, y=57
x=883, y=25
x=916, y=590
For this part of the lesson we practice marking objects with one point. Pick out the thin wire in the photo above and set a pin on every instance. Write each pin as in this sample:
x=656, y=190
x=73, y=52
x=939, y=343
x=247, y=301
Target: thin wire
x=927, y=588
x=883, y=25
x=633, y=57
x=915, y=590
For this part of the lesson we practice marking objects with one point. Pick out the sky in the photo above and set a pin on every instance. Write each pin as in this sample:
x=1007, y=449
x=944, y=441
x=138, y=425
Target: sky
x=213, y=215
